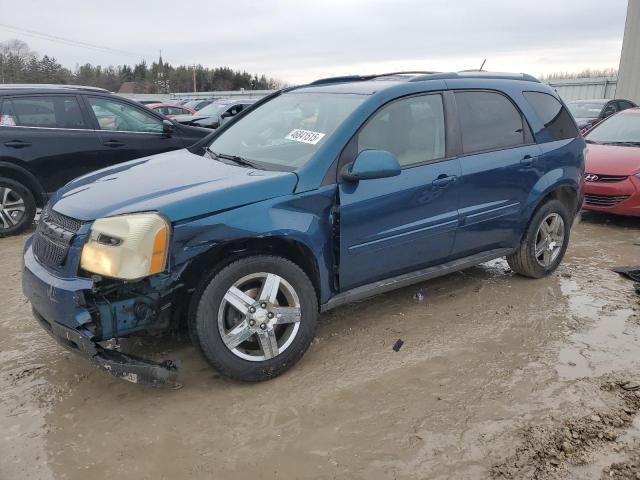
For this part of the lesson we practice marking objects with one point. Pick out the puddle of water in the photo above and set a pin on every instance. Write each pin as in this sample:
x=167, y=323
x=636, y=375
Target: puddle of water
x=607, y=345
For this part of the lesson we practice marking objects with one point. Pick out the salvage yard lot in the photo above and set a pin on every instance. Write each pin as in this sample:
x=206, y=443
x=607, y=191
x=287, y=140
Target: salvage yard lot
x=498, y=376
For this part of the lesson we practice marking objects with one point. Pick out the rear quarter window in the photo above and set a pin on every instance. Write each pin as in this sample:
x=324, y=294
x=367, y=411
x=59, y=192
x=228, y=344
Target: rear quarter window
x=554, y=116
x=42, y=111
x=489, y=121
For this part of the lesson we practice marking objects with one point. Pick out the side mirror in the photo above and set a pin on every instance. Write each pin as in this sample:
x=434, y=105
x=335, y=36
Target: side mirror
x=167, y=128
x=226, y=115
x=371, y=164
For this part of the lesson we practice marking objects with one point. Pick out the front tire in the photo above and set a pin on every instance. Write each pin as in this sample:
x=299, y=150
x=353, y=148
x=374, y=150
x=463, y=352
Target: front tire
x=255, y=318
x=544, y=243
x=17, y=207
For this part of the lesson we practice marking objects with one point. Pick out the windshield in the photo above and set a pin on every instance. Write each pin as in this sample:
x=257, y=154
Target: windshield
x=285, y=132
x=621, y=128
x=585, y=110
x=213, y=109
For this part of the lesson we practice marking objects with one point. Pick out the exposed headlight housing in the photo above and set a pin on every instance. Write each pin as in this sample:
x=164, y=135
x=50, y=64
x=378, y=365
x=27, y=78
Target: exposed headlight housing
x=127, y=247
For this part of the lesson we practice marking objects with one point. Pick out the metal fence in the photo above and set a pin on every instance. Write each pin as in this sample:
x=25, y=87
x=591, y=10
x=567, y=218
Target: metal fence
x=585, y=88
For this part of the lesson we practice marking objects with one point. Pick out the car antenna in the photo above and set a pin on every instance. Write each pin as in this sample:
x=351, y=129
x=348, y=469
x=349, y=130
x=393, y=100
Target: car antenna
x=483, y=62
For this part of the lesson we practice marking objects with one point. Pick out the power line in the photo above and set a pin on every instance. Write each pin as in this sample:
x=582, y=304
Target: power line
x=70, y=42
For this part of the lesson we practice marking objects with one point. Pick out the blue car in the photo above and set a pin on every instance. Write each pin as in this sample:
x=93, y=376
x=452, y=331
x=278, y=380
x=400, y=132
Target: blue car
x=313, y=197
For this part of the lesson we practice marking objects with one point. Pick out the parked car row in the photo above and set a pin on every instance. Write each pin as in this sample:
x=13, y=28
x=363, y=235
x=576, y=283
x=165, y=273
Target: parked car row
x=353, y=186
x=52, y=134
x=590, y=112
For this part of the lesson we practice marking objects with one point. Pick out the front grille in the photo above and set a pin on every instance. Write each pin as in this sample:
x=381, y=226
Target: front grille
x=594, y=177
x=48, y=251
x=68, y=223
x=53, y=237
x=604, y=200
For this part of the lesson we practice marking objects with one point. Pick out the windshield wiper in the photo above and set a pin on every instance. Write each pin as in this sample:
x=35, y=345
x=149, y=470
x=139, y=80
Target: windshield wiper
x=236, y=159
x=591, y=141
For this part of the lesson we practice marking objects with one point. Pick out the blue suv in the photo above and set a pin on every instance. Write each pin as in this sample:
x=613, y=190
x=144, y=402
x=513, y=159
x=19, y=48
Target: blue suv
x=314, y=197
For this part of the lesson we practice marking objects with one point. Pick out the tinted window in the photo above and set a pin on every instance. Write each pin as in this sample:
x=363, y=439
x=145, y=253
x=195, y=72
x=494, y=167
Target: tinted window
x=50, y=112
x=610, y=109
x=177, y=111
x=555, y=117
x=113, y=115
x=623, y=105
x=489, y=121
x=412, y=129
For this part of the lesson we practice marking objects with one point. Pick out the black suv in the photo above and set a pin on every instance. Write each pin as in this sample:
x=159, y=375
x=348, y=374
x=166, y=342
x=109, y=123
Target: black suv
x=51, y=134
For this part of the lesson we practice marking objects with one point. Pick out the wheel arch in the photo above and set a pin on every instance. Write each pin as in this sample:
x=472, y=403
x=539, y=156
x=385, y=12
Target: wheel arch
x=216, y=258
x=24, y=176
x=557, y=184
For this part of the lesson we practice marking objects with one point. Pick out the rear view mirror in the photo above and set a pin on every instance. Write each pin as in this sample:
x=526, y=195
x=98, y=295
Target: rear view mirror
x=371, y=164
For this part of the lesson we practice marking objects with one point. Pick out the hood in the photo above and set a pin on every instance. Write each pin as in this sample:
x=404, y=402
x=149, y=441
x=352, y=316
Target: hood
x=612, y=160
x=187, y=119
x=178, y=184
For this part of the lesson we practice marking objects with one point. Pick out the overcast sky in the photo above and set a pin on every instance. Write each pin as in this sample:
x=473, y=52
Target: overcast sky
x=298, y=41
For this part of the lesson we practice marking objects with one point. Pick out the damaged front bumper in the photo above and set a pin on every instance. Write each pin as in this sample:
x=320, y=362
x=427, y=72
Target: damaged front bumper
x=58, y=305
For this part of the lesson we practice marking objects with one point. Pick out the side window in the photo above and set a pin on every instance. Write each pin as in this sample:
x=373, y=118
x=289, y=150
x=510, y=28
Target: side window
x=489, y=121
x=114, y=115
x=610, y=109
x=555, y=117
x=412, y=129
x=623, y=105
x=58, y=111
x=176, y=111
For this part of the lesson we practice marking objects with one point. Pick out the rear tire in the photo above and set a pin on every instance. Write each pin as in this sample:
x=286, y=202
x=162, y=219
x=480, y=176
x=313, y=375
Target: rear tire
x=255, y=318
x=17, y=207
x=544, y=243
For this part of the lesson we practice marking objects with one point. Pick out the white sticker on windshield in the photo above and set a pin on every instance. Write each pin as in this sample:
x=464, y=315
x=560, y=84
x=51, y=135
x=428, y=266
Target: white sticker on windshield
x=304, y=136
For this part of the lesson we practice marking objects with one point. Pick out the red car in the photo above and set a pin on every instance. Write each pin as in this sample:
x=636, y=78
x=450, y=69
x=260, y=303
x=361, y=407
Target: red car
x=612, y=178
x=171, y=110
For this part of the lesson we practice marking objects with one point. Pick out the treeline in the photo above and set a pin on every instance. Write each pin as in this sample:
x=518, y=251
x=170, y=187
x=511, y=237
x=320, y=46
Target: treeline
x=20, y=64
x=586, y=73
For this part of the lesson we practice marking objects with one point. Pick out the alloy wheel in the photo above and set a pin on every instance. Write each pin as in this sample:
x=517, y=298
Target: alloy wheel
x=549, y=240
x=12, y=208
x=259, y=316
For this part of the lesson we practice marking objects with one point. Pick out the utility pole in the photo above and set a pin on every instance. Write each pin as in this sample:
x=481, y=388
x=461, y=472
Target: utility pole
x=194, y=78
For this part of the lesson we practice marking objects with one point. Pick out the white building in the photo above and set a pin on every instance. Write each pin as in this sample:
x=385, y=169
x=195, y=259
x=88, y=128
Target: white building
x=629, y=74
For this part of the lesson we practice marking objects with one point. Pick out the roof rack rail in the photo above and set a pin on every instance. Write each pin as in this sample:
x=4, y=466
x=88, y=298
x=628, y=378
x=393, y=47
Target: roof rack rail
x=12, y=86
x=477, y=74
x=362, y=78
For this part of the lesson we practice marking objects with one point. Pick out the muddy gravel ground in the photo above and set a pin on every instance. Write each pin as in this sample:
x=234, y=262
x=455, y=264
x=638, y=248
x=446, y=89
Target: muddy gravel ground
x=498, y=377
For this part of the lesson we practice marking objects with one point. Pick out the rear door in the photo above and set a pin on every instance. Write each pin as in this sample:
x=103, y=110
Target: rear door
x=127, y=131
x=49, y=135
x=499, y=166
x=390, y=226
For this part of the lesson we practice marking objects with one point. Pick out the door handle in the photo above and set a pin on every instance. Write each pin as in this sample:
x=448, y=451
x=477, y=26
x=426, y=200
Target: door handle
x=17, y=144
x=527, y=160
x=113, y=143
x=443, y=180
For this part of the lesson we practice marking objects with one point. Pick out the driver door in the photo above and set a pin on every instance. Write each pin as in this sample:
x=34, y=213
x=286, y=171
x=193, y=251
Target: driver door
x=390, y=226
x=127, y=131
